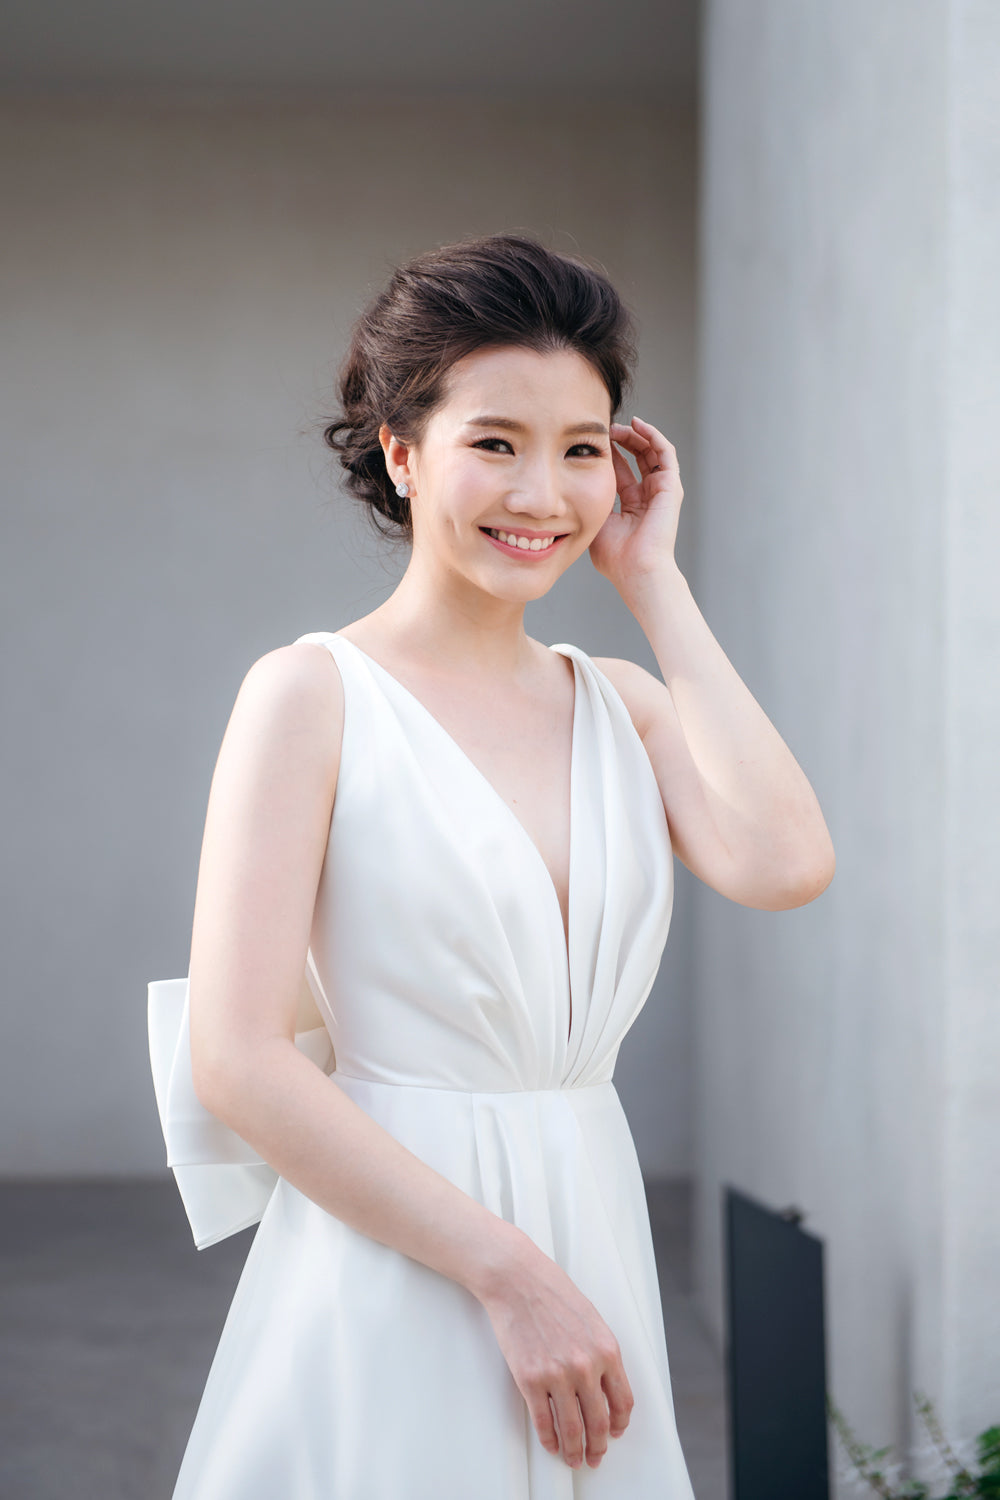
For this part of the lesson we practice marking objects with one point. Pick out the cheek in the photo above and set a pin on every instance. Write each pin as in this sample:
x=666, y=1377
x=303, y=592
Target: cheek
x=602, y=493
x=465, y=479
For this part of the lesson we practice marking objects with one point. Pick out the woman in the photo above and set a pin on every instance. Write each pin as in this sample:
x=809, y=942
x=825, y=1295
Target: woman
x=464, y=837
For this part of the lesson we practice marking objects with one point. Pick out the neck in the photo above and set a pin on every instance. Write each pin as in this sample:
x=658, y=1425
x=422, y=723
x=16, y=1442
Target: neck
x=450, y=624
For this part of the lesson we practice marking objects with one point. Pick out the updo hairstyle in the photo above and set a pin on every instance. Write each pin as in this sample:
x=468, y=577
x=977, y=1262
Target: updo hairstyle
x=503, y=290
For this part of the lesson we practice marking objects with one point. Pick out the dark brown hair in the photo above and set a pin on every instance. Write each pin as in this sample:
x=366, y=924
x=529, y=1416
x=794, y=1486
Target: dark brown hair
x=499, y=291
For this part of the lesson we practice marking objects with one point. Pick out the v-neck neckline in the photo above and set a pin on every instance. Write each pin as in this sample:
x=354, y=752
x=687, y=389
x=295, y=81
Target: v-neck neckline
x=565, y=933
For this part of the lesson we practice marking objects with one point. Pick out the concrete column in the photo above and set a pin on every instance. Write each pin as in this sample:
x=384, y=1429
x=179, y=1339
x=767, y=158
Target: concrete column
x=849, y=545
x=971, y=1211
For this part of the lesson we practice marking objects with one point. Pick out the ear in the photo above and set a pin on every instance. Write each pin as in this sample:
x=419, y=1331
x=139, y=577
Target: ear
x=397, y=455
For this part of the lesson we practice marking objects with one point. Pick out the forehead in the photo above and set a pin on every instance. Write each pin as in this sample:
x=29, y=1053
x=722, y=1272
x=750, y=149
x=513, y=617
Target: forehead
x=558, y=383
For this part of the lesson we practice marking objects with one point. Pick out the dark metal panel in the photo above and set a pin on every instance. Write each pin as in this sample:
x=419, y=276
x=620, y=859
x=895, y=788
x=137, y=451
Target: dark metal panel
x=775, y=1354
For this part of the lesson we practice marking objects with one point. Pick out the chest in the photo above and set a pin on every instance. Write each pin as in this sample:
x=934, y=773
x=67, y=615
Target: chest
x=526, y=756
x=522, y=746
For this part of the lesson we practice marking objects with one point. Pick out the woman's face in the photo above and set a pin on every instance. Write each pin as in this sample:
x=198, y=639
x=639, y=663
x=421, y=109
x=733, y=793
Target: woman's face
x=519, y=446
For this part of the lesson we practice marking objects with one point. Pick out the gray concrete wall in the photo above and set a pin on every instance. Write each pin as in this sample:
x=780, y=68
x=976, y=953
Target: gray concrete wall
x=178, y=283
x=971, y=547
x=849, y=540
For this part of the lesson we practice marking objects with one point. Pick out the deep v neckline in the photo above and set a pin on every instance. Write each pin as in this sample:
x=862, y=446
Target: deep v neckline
x=565, y=933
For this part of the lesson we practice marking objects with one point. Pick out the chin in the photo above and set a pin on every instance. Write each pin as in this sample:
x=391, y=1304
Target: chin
x=525, y=593
x=529, y=583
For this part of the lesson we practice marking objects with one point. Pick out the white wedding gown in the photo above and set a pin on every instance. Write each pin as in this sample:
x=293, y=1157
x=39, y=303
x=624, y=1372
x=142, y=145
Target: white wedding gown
x=438, y=963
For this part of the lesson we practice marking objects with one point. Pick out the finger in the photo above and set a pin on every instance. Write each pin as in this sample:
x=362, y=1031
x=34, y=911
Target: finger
x=620, y=1399
x=647, y=430
x=657, y=461
x=540, y=1409
x=624, y=473
x=651, y=457
x=660, y=446
x=629, y=438
x=596, y=1421
x=570, y=1425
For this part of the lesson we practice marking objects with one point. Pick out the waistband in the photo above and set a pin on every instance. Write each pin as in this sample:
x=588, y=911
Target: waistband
x=352, y=1080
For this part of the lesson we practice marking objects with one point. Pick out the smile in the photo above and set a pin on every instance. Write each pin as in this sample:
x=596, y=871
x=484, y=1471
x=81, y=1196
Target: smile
x=511, y=542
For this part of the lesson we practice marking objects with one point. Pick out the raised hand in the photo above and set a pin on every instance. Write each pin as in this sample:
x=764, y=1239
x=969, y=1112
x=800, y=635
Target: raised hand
x=564, y=1359
x=640, y=540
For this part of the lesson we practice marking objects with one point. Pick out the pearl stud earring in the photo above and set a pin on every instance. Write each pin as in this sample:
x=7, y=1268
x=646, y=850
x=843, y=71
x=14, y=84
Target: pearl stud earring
x=402, y=489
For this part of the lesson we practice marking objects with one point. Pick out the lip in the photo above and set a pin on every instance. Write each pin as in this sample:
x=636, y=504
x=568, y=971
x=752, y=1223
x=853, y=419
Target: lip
x=525, y=553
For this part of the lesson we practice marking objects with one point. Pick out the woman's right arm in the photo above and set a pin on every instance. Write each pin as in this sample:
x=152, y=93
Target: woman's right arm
x=262, y=855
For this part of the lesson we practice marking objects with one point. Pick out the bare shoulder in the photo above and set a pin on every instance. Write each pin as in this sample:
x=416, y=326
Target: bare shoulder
x=290, y=708
x=644, y=695
x=266, y=835
x=296, y=679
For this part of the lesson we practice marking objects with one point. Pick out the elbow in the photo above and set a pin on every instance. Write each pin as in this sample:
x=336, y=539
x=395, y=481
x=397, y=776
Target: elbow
x=779, y=876
x=230, y=1081
x=786, y=874
x=220, y=1078
x=807, y=877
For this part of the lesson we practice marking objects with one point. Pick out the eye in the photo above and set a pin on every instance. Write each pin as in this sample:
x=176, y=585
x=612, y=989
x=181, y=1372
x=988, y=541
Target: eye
x=487, y=442
x=586, y=450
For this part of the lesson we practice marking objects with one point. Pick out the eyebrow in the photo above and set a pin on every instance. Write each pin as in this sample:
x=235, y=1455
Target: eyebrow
x=508, y=425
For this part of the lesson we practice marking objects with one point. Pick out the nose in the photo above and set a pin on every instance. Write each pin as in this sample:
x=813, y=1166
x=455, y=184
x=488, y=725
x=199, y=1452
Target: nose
x=538, y=492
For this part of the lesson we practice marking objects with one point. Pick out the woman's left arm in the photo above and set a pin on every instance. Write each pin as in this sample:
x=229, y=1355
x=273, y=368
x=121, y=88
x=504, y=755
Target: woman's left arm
x=742, y=814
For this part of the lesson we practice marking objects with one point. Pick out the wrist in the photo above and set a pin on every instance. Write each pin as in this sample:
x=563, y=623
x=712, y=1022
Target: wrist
x=645, y=591
x=502, y=1263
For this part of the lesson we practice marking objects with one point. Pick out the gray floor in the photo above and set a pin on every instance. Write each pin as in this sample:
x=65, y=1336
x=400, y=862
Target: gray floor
x=109, y=1319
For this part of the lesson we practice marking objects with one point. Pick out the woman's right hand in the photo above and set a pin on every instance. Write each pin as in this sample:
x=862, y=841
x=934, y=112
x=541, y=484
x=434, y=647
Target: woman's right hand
x=563, y=1356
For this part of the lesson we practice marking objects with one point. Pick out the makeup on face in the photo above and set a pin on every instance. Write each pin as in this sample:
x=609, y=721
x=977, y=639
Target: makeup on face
x=519, y=455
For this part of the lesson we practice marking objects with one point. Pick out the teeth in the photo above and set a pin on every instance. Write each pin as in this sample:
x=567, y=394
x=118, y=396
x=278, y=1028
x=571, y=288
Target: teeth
x=535, y=544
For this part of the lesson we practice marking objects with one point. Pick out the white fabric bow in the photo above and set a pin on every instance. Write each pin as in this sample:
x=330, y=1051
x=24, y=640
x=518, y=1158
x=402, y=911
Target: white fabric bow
x=224, y=1185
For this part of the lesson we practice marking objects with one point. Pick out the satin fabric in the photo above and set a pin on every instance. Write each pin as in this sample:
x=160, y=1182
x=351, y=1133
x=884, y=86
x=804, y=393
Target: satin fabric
x=455, y=1014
